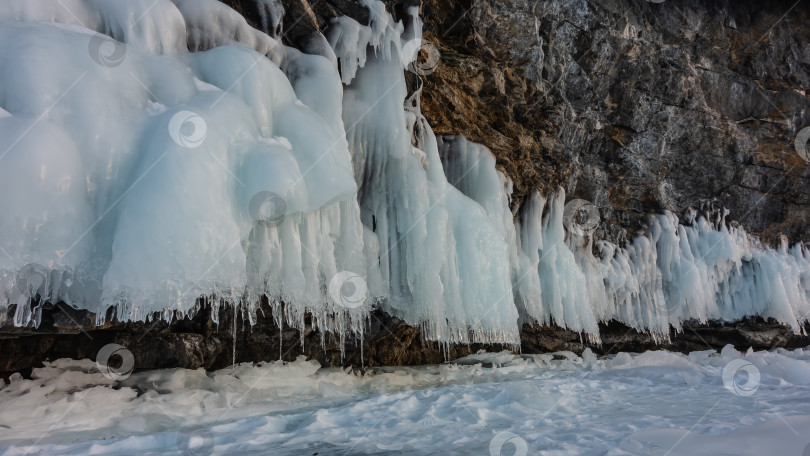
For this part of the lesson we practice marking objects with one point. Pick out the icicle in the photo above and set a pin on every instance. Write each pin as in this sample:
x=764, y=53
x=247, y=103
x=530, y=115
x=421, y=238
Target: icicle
x=271, y=13
x=233, y=332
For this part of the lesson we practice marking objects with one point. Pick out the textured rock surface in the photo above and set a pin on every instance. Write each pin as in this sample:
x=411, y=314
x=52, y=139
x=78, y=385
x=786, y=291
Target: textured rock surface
x=633, y=105
x=388, y=342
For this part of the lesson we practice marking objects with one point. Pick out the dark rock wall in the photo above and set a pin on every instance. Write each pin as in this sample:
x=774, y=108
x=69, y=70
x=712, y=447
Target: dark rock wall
x=635, y=106
x=198, y=342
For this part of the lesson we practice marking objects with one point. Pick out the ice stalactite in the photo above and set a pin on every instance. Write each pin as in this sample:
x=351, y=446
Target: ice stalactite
x=156, y=177
x=436, y=245
x=699, y=271
x=146, y=163
x=271, y=13
x=696, y=270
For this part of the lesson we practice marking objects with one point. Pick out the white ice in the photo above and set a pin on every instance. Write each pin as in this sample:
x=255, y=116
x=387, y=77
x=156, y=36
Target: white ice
x=652, y=403
x=154, y=152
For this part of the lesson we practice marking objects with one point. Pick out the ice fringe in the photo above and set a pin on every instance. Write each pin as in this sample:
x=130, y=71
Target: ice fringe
x=149, y=162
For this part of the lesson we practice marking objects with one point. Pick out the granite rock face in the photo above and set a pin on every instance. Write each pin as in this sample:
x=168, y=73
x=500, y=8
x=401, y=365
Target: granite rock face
x=199, y=342
x=636, y=106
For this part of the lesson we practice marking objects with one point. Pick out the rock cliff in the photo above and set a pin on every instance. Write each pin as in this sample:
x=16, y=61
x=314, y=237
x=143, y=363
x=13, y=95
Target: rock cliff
x=636, y=106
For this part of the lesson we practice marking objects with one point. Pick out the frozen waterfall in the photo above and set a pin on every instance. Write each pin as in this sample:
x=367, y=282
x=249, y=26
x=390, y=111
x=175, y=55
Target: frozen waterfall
x=156, y=154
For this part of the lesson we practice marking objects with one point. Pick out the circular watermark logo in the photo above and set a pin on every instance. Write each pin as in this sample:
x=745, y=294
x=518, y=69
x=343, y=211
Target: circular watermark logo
x=106, y=51
x=268, y=208
x=107, y=361
x=669, y=306
x=199, y=442
x=63, y=185
x=741, y=377
x=801, y=143
x=580, y=217
x=188, y=129
x=420, y=57
x=348, y=289
x=501, y=439
x=31, y=280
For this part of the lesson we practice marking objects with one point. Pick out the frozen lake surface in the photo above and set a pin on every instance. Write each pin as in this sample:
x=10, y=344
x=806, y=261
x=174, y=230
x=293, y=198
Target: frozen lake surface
x=495, y=403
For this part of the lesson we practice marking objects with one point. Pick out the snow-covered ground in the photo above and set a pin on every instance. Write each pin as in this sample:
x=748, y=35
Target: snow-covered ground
x=494, y=403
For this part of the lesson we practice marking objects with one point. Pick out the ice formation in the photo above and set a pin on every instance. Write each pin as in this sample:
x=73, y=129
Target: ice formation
x=153, y=153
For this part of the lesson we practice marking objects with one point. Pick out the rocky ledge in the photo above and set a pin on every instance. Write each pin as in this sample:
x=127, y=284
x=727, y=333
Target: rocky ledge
x=636, y=106
x=199, y=342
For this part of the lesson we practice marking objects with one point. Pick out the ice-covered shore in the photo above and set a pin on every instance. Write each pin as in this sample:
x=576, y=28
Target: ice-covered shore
x=650, y=403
